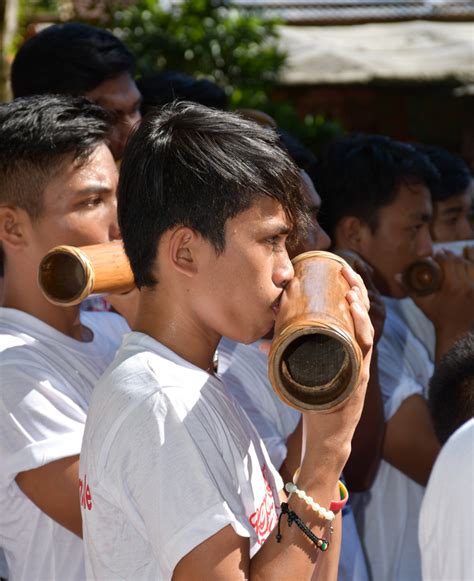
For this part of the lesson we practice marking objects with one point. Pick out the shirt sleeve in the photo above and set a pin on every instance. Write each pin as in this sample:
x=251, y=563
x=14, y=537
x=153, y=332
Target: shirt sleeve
x=38, y=422
x=166, y=484
x=404, y=366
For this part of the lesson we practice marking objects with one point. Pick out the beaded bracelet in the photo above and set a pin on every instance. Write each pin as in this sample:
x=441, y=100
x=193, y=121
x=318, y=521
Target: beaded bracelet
x=319, y=543
x=322, y=512
x=335, y=506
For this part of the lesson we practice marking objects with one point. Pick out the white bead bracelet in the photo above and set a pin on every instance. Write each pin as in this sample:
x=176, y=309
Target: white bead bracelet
x=324, y=514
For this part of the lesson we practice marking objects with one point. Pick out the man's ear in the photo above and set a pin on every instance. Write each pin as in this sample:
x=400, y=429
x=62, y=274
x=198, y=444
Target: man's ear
x=13, y=227
x=349, y=233
x=183, y=244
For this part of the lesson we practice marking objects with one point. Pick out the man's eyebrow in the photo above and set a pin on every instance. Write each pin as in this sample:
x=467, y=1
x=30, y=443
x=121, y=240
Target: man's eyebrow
x=284, y=229
x=423, y=216
x=453, y=210
x=279, y=229
x=93, y=190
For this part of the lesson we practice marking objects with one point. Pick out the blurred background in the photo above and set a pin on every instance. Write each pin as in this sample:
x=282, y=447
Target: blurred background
x=404, y=69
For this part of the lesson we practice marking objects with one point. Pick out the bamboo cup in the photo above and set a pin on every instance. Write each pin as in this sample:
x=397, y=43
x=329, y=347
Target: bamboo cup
x=425, y=276
x=315, y=360
x=67, y=274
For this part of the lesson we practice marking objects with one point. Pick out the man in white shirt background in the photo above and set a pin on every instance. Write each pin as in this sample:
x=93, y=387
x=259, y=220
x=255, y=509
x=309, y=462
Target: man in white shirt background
x=377, y=202
x=59, y=184
x=453, y=204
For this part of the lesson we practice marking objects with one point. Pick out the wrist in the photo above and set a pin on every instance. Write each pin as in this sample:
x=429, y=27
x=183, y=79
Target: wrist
x=328, y=455
x=322, y=471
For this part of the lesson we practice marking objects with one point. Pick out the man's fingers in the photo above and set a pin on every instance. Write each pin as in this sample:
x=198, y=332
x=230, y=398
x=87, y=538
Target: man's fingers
x=355, y=280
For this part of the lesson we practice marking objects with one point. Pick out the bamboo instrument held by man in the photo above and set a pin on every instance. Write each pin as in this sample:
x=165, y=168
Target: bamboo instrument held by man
x=68, y=274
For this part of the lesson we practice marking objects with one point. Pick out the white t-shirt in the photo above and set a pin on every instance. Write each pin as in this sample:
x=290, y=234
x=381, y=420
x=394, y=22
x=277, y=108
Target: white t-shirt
x=387, y=515
x=446, y=530
x=169, y=458
x=419, y=325
x=244, y=369
x=46, y=383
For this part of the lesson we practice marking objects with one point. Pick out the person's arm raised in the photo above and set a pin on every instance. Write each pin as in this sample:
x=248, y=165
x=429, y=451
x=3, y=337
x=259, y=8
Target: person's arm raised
x=451, y=308
x=326, y=446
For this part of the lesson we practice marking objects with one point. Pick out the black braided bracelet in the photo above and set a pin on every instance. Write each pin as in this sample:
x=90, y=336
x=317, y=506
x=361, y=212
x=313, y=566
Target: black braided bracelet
x=321, y=544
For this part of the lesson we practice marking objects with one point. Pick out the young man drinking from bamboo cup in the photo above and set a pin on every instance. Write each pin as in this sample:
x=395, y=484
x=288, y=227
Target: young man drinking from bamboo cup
x=178, y=483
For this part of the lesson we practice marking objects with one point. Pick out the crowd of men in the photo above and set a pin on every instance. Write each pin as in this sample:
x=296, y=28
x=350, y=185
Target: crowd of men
x=140, y=436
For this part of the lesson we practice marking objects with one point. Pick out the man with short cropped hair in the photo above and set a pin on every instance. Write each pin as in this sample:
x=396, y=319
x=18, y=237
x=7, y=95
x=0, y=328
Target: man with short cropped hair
x=59, y=184
x=79, y=59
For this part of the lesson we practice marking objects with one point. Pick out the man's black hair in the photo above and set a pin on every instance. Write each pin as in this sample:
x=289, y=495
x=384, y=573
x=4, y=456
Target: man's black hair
x=455, y=176
x=159, y=89
x=451, y=392
x=198, y=167
x=303, y=157
x=360, y=174
x=37, y=134
x=68, y=58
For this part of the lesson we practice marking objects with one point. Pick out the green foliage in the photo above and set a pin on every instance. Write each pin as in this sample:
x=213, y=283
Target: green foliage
x=208, y=39
x=237, y=49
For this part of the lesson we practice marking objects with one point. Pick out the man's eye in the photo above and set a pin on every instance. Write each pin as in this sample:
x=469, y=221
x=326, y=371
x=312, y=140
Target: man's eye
x=277, y=242
x=91, y=202
x=451, y=221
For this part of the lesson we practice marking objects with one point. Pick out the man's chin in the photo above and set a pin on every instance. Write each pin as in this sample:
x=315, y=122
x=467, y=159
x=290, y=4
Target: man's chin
x=261, y=333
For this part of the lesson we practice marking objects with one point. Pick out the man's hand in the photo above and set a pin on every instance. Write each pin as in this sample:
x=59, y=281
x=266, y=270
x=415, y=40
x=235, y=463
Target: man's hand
x=451, y=308
x=377, y=307
x=339, y=423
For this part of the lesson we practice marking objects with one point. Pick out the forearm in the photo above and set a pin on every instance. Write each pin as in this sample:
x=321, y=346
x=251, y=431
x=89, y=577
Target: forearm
x=295, y=556
x=366, y=454
x=410, y=443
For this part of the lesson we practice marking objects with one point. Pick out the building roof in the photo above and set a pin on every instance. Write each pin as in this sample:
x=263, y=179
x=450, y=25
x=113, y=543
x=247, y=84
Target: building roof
x=350, y=11
x=417, y=51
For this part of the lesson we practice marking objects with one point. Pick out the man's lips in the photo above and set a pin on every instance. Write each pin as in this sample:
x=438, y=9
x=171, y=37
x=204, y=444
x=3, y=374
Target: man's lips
x=276, y=305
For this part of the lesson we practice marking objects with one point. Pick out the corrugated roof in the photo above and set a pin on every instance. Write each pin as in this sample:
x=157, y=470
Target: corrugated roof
x=318, y=11
x=416, y=51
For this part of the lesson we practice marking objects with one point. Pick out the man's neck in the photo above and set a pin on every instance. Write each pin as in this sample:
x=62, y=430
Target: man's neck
x=170, y=324
x=22, y=293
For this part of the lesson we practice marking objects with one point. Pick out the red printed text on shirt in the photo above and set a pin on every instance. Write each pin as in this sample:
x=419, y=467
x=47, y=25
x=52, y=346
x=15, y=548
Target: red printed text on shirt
x=264, y=519
x=85, y=496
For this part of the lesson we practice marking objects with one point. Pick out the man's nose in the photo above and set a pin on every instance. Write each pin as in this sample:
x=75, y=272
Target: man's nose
x=425, y=244
x=284, y=271
x=323, y=240
x=466, y=230
x=114, y=230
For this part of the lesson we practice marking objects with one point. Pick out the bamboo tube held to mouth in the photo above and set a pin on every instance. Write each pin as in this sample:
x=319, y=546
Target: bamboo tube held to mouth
x=425, y=276
x=67, y=274
x=315, y=360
